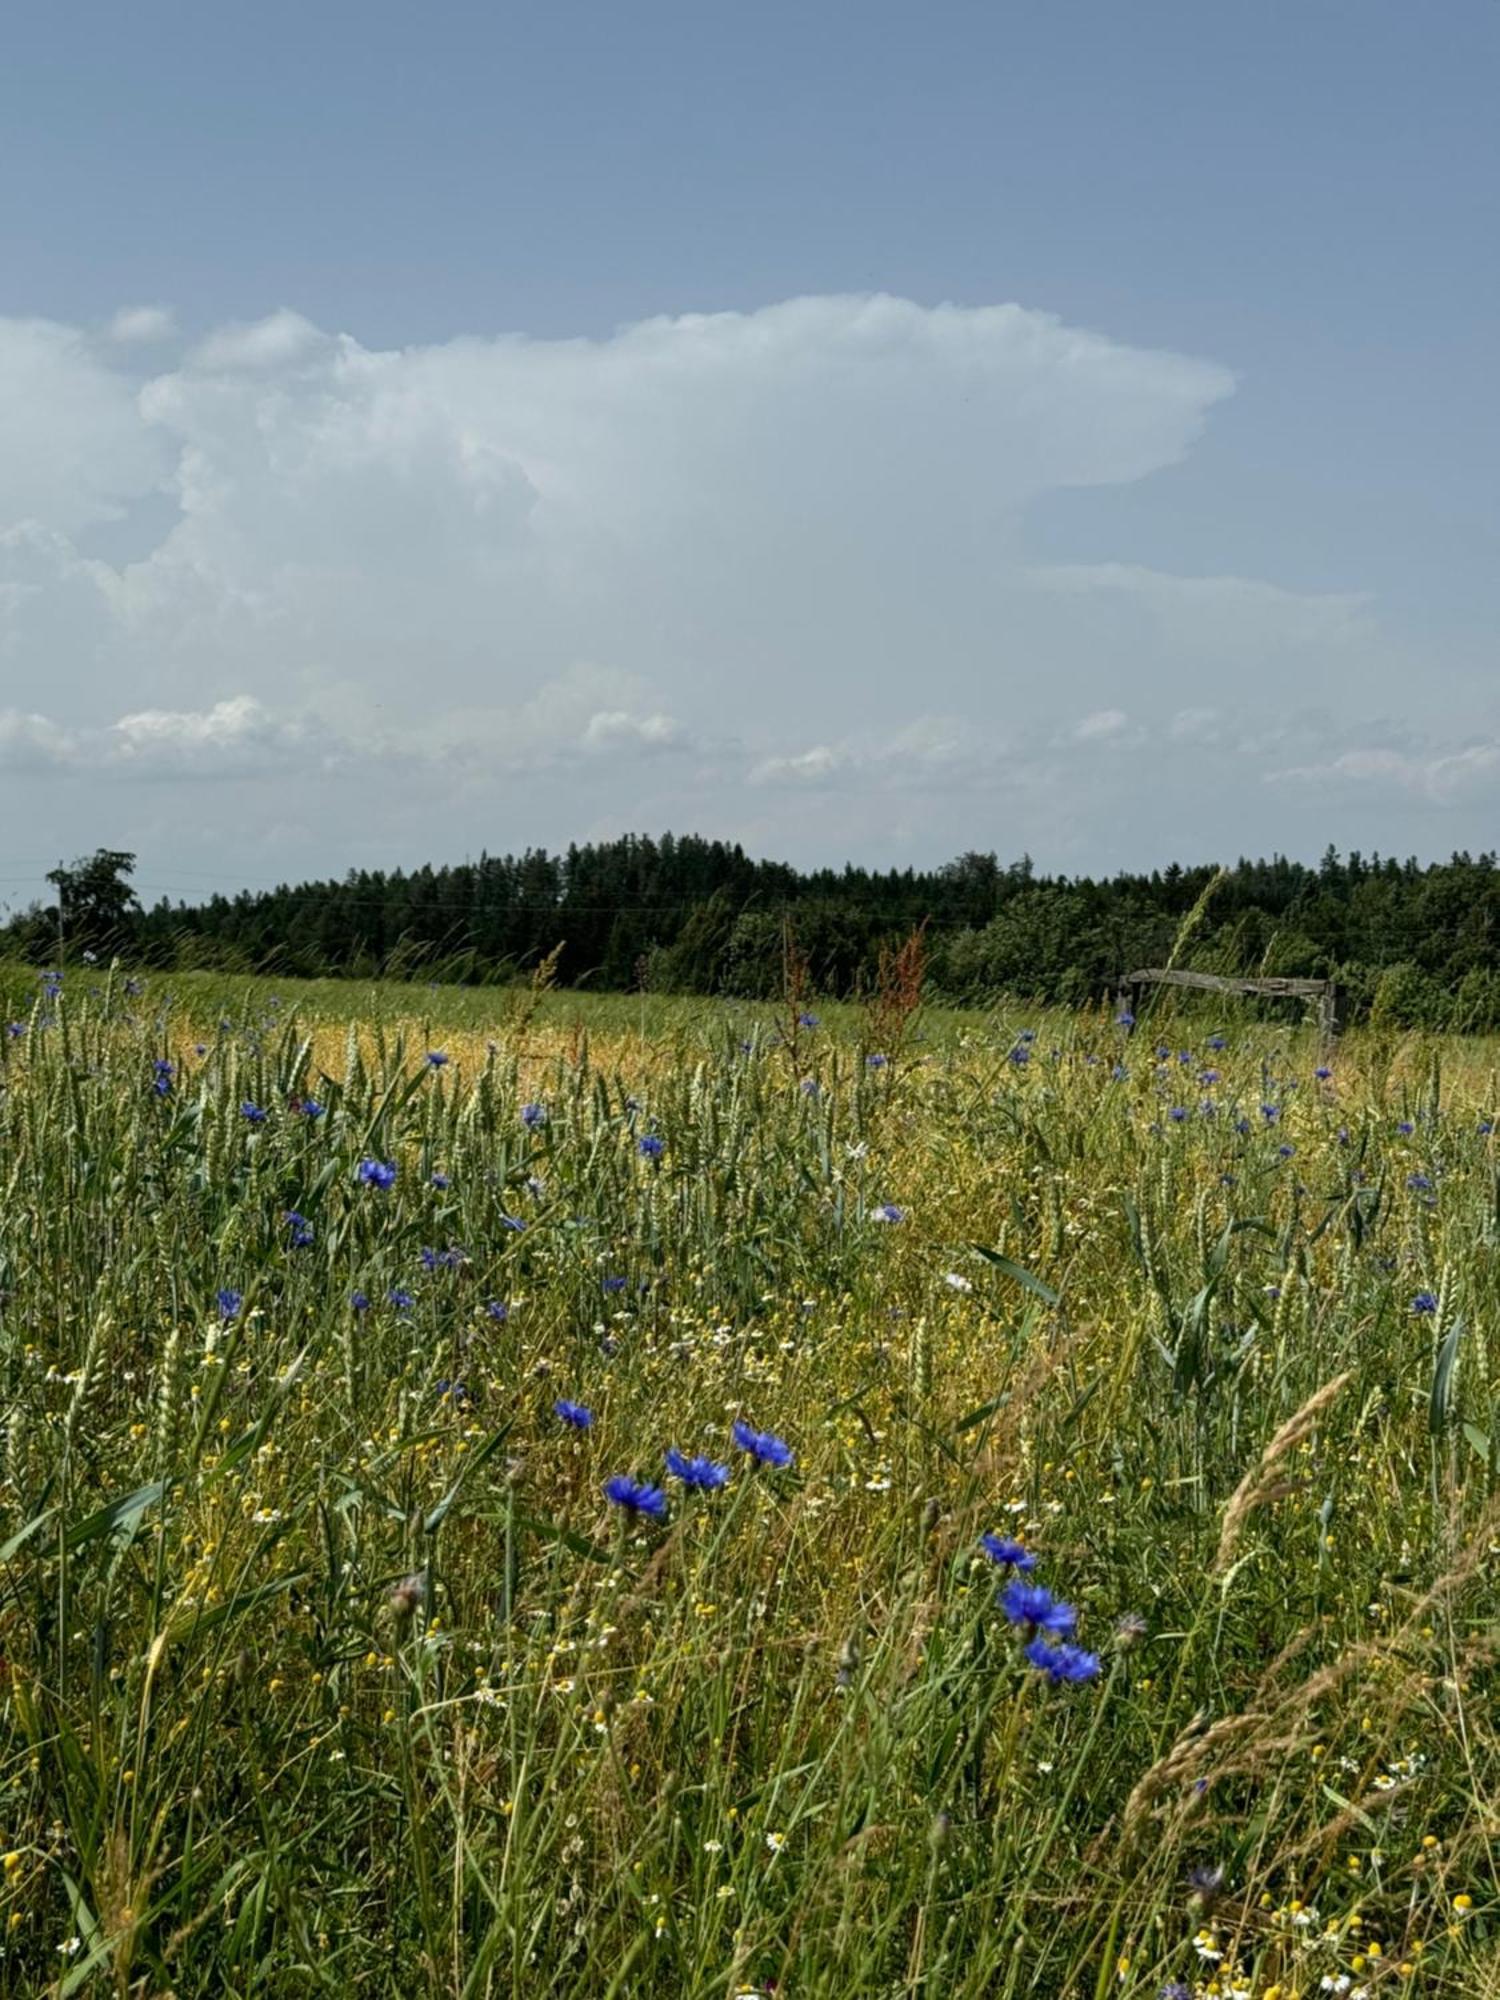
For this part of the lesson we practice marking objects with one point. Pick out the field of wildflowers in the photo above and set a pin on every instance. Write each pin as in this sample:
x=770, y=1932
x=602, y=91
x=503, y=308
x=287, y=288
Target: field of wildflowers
x=523, y=1498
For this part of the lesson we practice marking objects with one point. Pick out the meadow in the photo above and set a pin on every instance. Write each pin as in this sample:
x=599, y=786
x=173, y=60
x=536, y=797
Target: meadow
x=1073, y=1572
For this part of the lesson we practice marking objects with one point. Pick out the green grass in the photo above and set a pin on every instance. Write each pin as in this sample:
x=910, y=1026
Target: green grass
x=785, y=1740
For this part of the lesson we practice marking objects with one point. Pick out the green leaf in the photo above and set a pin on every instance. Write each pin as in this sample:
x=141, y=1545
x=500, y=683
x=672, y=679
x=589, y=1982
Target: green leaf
x=23, y=1535
x=977, y=1416
x=1013, y=1270
x=121, y=1514
x=470, y=1466
x=1440, y=1408
x=551, y=1532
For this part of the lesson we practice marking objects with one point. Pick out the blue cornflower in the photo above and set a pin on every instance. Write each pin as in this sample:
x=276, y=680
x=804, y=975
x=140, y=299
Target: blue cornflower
x=512, y=1222
x=360, y=1301
x=1215, y=1042
x=876, y=1061
x=1270, y=1112
x=1032, y=1604
x=15, y=1029
x=310, y=1108
x=1164, y=1054
x=807, y=1021
x=1176, y=1989
x=402, y=1301
x=1062, y=1663
x=1419, y=1183
x=1322, y=1072
x=1124, y=1019
x=703, y=1473
x=442, y=1260
x=533, y=1116
x=252, y=1113
x=1485, y=1127
x=1020, y=1056
x=377, y=1173
x=1425, y=1302
x=301, y=1229
x=1208, y=1077
x=436, y=1059
x=577, y=1414
x=650, y=1147
x=162, y=1073
x=1405, y=1128
x=1119, y=1073
x=1177, y=1114
x=1285, y=1152
x=622, y=1491
x=498, y=1310
x=1008, y=1553
x=888, y=1212
x=454, y=1392
x=1242, y=1126
x=229, y=1302
x=614, y=1284
x=811, y=1087
x=1026, y=1035
x=441, y=1181
x=762, y=1445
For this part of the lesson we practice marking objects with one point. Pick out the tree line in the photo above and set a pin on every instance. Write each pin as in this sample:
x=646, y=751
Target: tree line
x=1415, y=944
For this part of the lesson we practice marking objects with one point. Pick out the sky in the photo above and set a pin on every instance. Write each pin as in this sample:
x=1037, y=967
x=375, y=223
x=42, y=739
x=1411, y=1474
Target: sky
x=866, y=432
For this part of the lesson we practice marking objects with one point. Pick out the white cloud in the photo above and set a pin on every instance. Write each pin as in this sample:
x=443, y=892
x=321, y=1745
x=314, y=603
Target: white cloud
x=1101, y=725
x=142, y=324
x=73, y=446
x=281, y=340
x=1195, y=725
x=32, y=742
x=616, y=728
x=806, y=767
x=1439, y=776
x=233, y=736
x=785, y=546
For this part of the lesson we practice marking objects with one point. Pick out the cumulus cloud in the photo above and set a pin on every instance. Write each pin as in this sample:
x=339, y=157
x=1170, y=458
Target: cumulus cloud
x=1099, y=727
x=616, y=728
x=281, y=340
x=805, y=767
x=134, y=325
x=232, y=737
x=32, y=742
x=1437, y=775
x=777, y=559
x=74, y=448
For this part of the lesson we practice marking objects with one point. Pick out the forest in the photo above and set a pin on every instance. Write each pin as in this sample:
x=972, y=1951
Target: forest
x=1415, y=944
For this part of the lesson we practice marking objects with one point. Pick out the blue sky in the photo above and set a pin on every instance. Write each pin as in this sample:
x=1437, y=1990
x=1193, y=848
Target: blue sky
x=1302, y=198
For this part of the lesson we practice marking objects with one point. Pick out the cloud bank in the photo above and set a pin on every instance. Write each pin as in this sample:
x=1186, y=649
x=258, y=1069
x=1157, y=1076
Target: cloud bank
x=763, y=574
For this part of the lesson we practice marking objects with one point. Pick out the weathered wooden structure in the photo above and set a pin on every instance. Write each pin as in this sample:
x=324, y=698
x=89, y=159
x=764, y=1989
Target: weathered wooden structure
x=1328, y=994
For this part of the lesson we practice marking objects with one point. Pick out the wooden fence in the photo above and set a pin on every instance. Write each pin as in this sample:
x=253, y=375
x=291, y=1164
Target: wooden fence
x=1328, y=994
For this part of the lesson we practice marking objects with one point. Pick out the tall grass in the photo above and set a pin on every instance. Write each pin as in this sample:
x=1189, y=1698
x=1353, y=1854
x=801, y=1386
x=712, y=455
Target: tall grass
x=328, y=1668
